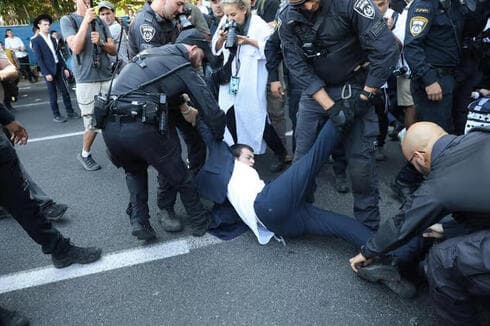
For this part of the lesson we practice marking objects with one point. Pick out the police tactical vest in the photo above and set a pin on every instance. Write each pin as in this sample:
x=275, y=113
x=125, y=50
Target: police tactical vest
x=166, y=30
x=336, y=48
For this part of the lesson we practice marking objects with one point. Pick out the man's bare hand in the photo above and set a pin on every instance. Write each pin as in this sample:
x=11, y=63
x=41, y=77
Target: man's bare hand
x=19, y=133
x=434, y=92
x=434, y=231
x=90, y=15
x=67, y=73
x=49, y=77
x=358, y=261
x=276, y=89
x=190, y=115
x=94, y=37
x=390, y=22
x=484, y=92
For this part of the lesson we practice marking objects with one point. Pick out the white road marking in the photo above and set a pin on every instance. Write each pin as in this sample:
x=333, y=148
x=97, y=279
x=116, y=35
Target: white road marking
x=126, y=258
x=78, y=133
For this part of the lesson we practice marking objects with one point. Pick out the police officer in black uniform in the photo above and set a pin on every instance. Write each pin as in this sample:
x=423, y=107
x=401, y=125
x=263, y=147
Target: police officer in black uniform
x=327, y=46
x=432, y=48
x=154, y=26
x=457, y=183
x=151, y=28
x=137, y=135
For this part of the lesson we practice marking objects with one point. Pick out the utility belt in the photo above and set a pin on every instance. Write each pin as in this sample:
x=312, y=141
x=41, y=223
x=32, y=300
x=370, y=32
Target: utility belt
x=357, y=78
x=132, y=109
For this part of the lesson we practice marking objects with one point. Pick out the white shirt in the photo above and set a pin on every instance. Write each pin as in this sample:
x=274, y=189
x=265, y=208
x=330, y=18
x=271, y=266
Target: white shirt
x=243, y=188
x=50, y=45
x=15, y=43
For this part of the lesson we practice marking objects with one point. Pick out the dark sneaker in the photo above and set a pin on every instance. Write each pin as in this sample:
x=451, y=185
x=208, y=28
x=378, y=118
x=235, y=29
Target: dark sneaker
x=76, y=255
x=401, y=190
x=59, y=118
x=403, y=288
x=388, y=275
x=341, y=184
x=12, y=318
x=73, y=115
x=54, y=212
x=143, y=231
x=169, y=221
x=88, y=162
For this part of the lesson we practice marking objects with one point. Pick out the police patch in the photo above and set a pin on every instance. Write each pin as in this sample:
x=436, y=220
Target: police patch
x=364, y=8
x=417, y=25
x=147, y=32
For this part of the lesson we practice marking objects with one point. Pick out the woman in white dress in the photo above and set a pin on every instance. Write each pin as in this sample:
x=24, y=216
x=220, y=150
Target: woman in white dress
x=243, y=94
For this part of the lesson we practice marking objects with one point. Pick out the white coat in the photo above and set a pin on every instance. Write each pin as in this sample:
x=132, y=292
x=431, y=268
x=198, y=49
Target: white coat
x=250, y=102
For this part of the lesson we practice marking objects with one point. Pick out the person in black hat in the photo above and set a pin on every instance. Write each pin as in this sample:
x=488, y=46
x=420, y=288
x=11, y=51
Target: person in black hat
x=155, y=80
x=52, y=67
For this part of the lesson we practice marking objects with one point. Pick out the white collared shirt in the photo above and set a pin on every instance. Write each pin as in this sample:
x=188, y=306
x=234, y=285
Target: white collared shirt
x=243, y=187
x=50, y=45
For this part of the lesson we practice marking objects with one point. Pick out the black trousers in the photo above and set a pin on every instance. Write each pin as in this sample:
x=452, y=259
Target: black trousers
x=15, y=197
x=196, y=154
x=25, y=68
x=458, y=272
x=135, y=146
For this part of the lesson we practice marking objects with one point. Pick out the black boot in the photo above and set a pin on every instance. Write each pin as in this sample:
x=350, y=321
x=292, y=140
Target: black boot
x=386, y=272
x=142, y=231
x=75, y=255
x=169, y=221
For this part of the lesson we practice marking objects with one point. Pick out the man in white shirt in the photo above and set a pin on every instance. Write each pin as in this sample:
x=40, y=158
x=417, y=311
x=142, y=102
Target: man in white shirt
x=15, y=44
x=52, y=67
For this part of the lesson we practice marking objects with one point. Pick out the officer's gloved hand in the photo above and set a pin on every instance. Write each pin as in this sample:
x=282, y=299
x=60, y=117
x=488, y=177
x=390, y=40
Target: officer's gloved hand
x=341, y=113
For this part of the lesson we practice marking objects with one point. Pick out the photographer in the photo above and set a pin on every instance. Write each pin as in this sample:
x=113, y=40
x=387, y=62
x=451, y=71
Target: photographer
x=108, y=15
x=90, y=41
x=241, y=38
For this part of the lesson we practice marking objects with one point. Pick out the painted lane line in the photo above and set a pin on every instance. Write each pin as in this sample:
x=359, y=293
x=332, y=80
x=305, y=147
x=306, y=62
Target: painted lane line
x=116, y=260
x=78, y=133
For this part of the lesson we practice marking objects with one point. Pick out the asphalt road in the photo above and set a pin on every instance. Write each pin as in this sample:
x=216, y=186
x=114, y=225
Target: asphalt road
x=196, y=281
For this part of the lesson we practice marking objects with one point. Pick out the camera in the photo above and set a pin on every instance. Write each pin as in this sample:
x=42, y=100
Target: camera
x=184, y=22
x=232, y=37
x=400, y=71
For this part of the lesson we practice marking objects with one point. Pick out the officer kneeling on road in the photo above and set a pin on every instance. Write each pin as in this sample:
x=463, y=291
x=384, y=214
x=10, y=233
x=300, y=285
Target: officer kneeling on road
x=136, y=130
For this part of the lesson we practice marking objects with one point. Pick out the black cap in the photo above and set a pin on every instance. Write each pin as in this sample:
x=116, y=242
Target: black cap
x=38, y=19
x=194, y=37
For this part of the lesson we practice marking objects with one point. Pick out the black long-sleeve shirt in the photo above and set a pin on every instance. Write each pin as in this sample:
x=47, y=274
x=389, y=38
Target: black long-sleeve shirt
x=458, y=183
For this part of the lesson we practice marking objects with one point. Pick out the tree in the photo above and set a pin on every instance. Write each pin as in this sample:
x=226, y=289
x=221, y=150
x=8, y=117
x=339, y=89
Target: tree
x=24, y=11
